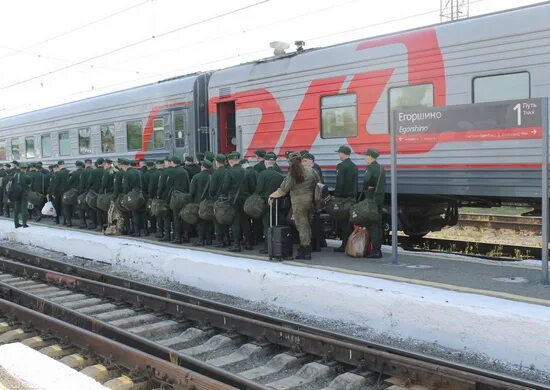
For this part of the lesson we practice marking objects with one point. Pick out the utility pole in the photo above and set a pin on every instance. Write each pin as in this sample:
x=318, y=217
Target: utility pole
x=450, y=10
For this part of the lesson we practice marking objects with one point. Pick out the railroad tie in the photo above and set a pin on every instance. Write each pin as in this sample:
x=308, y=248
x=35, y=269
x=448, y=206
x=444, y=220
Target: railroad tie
x=155, y=329
x=185, y=339
x=75, y=361
x=54, y=351
x=4, y=327
x=133, y=320
x=115, y=315
x=240, y=356
x=213, y=344
x=104, y=307
x=279, y=363
x=124, y=382
x=98, y=372
x=347, y=381
x=308, y=374
x=13, y=335
x=34, y=342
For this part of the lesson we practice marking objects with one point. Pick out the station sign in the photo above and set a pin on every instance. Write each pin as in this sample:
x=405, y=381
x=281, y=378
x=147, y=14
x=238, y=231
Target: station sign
x=495, y=121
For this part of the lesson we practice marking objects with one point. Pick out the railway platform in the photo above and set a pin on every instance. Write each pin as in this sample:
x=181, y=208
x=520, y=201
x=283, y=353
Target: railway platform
x=468, y=304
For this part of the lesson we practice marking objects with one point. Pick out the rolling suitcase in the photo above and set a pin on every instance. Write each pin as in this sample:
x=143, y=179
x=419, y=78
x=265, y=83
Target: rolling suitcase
x=279, y=238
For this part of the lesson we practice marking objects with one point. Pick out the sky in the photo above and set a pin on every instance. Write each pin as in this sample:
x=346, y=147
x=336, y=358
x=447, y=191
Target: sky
x=57, y=51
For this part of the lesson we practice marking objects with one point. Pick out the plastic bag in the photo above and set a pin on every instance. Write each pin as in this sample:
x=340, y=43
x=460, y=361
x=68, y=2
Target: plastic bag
x=358, y=242
x=49, y=210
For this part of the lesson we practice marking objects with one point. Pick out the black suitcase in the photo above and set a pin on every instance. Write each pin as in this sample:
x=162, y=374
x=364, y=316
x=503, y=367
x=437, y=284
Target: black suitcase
x=279, y=238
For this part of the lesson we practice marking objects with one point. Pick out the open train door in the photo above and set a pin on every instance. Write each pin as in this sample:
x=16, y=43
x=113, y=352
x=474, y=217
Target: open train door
x=227, y=134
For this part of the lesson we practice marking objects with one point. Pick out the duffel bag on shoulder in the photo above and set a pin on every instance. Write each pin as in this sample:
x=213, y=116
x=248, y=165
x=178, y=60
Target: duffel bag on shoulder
x=104, y=201
x=206, y=210
x=254, y=206
x=364, y=213
x=133, y=200
x=70, y=197
x=224, y=211
x=91, y=199
x=338, y=208
x=81, y=202
x=36, y=198
x=179, y=200
x=159, y=207
x=190, y=213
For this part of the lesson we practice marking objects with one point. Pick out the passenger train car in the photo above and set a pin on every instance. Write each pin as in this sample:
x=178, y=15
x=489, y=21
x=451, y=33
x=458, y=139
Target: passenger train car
x=321, y=98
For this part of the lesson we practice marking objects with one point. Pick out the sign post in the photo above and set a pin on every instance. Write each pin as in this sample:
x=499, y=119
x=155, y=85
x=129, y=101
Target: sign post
x=393, y=172
x=544, y=192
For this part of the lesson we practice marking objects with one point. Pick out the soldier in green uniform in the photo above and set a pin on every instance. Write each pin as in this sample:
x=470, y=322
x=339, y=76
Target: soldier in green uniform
x=346, y=187
x=94, y=184
x=148, y=225
x=217, y=179
x=152, y=188
x=318, y=240
x=39, y=185
x=107, y=187
x=60, y=183
x=83, y=185
x=260, y=156
x=235, y=189
x=268, y=182
x=131, y=180
x=9, y=174
x=208, y=155
x=54, y=168
x=23, y=181
x=178, y=180
x=164, y=192
x=191, y=168
x=198, y=189
x=249, y=187
x=200, y=159
x=73, y=181
x=374, y=187
x=118, y=191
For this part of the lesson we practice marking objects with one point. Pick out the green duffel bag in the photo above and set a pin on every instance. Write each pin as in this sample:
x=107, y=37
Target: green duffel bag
x=81, y=202
x=133, y=200
x=254, y=206
x=206, y=210
x=364, y=213
x=104, y=201
x=338, y=208
x=36, y=198
x=70, y=197
x=190, y=213
x=179, y=200
x=91, y=199
x=159, y=207
x=224, y=211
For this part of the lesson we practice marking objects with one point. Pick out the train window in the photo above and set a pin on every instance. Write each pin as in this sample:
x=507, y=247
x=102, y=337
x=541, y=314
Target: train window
x=29, y=147
x=133, y=135
x=179, y=130
x=412, y=96
x=15, y=149
x=84, y=141
x=107, y=138
x=501, y=87
x=3, y=155
x=339, y=116
x=46, y=145
x=158, y=133
x=64, y=144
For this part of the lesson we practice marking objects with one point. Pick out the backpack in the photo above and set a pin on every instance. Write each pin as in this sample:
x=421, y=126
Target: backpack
x=320, y=196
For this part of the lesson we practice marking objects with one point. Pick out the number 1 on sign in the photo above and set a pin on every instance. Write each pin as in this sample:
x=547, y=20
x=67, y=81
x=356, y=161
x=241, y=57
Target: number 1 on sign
x=517, y=108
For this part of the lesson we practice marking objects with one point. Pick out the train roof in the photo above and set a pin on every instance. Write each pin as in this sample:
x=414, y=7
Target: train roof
x=158, y=89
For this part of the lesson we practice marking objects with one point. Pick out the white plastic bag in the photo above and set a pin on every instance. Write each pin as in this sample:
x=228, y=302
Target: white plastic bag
x=49, y=210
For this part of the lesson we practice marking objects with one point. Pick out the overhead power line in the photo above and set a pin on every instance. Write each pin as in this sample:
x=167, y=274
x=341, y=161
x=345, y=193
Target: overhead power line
x=133, y=44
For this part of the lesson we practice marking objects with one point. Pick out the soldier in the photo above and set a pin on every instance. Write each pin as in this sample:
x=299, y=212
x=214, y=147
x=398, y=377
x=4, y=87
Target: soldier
x=210, y=156
x=178, y=179
x=260, y=156
x=54, y=168
x=198, y=189
x=346, y=187
x=217, y=179
x=10, y=171
x=107, y=186
x=94, y=184
x=60, y=183
x=21, y=179
x=309, y=160
x=118, y=191
x=300, y=183
x=268, y=182
x=83, y=186
x=235, y=188
x=148, y=225
x=39, y=184
x=200, y=159
x=131, y=180
x=72, y=182
x=163, y=192
x=249, y=187
x=374, y=187
x=191, y=168
x=317, y=233
x=152, y=188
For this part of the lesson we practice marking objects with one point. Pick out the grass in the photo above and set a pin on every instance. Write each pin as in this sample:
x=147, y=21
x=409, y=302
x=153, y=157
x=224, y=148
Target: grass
x=504, y=210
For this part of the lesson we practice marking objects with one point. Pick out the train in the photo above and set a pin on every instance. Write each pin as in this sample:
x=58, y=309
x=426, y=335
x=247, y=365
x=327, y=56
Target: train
x=320, y=98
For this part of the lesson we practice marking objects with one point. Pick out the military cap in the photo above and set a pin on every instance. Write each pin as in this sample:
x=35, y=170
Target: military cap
x=294, y=155
x=61, y=162
x=108, y=160
x=159, y=161
x=206, y=164
x=99, y=161
x=260, y=153
x=88, y=160
x=150, y=163
x=175, y=160
x=23, y=165
x=123, y=161
x=200, y=156
x=308, y=156
x=8, y=165
x=288, y=153
x=220, y=158
x=209, y=156
x=372, y=152
x=302, y=152
x=271, y=156
x=234, y=156
x=189, y=158
x=243, y=161
x=79, y=163
x=133, y=163
x=39, y=164
x=344, y=149
x=15, y=162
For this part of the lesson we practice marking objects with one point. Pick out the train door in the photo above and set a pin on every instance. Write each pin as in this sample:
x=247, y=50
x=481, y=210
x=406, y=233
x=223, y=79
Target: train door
x=180, y=124
x=227, y=132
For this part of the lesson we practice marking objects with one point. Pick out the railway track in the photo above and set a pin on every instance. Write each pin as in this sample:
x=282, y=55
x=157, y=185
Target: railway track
x=235, y=347
x=509, y=222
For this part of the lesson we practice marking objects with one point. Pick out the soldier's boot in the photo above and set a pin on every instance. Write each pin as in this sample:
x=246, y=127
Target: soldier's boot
x=185, y=238
x=376, y=253
x=304, y=253
x=264, y=250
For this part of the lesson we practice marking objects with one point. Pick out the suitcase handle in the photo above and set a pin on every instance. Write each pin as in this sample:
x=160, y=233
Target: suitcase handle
x=276, y=213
